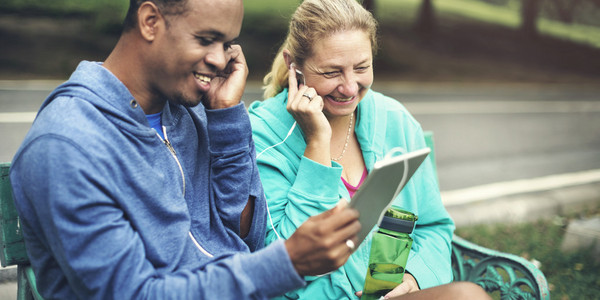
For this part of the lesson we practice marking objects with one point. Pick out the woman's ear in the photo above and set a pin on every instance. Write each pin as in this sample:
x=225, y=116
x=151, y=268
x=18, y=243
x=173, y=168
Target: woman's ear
x=287, y=57
x=149, y=20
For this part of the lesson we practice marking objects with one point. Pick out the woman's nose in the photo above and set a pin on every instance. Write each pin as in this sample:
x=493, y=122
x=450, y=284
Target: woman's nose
x=349, y=86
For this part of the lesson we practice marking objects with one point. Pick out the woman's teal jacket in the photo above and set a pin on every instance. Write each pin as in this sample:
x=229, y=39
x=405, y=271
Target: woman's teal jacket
x=297, y=188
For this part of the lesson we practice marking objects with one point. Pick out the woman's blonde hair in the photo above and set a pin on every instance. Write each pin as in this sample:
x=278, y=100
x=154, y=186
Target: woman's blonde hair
x=314, y=20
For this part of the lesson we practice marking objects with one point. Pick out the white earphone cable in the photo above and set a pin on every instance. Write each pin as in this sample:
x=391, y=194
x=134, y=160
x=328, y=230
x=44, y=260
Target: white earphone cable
x=257, y=156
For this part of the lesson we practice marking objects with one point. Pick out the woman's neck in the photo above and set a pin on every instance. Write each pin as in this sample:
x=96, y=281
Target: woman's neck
x=339, y=126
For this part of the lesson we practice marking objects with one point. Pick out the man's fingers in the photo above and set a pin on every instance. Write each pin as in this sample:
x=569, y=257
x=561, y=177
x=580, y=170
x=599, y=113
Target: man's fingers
x=340, y=224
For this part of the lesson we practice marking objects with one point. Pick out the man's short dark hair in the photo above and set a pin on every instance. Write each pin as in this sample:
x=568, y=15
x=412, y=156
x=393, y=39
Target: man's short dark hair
x=166, y=7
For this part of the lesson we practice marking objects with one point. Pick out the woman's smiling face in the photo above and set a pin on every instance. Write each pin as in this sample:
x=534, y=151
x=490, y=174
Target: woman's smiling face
x=341, y=71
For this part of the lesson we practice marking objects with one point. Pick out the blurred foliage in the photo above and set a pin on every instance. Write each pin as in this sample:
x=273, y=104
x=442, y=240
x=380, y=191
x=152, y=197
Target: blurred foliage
x=271, y=17
x=573, y=275
x=105, y=16
x=475, y=39
x=584, y=28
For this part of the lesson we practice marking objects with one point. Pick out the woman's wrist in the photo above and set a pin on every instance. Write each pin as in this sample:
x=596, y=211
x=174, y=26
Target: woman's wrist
x=318, y=150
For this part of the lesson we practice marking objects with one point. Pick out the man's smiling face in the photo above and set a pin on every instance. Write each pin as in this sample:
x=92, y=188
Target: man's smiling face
x=193, y=48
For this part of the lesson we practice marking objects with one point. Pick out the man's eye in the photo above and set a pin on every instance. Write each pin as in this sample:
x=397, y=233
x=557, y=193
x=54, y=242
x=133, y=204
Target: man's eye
x=362, y=69
x=204, y=41
x=230, y=44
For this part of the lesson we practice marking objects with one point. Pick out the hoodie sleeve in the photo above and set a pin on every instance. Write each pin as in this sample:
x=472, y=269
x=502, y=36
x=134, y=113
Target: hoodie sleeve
x=79, y=227
x=234, y=175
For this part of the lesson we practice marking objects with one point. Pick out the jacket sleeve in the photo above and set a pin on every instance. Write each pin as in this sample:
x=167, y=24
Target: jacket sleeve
x=294, y=197
x=234, y=175
x=71, y=220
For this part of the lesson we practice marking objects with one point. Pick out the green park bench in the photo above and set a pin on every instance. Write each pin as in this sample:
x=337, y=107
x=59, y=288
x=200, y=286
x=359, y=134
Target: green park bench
x=502, y=275
x=12, y=242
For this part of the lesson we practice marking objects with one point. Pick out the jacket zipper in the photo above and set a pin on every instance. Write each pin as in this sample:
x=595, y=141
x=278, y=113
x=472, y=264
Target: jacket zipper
x=172, y=150
x=198, y=245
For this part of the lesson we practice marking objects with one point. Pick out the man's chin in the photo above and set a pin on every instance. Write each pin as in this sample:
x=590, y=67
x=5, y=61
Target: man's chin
x=187, y=101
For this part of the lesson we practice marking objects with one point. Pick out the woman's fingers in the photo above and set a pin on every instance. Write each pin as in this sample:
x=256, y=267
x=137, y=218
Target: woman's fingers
x=301, y=101
x=292, y=81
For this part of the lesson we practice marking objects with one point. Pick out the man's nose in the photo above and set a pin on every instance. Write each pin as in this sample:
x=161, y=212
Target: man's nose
x=217, y=57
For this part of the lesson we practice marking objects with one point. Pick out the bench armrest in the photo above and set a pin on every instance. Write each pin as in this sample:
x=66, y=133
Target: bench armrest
x=513, y=276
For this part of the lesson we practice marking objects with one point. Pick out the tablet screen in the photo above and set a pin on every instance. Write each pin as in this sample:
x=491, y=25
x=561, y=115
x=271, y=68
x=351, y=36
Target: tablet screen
x=382, y=185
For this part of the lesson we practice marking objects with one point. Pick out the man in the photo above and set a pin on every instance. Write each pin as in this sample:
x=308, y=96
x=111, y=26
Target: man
x=138, y=176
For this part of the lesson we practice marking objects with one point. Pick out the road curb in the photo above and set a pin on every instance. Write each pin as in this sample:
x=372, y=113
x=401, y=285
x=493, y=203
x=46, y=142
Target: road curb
x=543, y=199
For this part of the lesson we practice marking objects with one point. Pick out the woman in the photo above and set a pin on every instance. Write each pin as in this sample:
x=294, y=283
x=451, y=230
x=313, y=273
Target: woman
x=343, y=129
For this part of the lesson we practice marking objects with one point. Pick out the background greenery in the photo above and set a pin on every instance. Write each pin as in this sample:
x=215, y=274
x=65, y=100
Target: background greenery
x=474, y=40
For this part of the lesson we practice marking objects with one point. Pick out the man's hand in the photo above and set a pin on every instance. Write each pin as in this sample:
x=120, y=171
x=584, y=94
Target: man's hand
x=227, y=88
x=319, y=245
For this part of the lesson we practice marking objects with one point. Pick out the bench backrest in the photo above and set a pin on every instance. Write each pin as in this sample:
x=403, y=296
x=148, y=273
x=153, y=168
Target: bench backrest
x=12, y=242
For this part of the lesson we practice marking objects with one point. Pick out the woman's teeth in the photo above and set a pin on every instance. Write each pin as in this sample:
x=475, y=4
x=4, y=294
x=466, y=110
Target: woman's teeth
x=202, y=78
x=336, y=99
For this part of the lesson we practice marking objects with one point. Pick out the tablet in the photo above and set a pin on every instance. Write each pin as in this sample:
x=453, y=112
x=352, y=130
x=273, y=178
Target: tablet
x=382, y=185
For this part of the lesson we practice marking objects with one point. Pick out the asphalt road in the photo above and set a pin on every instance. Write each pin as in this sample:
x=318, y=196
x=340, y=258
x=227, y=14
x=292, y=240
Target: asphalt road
x=483, y=133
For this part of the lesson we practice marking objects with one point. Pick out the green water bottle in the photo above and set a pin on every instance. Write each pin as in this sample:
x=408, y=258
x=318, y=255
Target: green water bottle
x=389, y=252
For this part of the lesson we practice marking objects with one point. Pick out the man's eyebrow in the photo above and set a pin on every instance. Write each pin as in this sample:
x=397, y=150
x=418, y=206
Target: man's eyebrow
x=213, y=33
x=216, y=34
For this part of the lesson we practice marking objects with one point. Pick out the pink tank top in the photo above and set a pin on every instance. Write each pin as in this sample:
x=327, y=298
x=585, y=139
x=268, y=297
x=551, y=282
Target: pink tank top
x=352, y=189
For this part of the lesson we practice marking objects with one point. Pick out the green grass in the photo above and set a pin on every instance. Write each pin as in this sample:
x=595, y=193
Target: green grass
x=570, y=275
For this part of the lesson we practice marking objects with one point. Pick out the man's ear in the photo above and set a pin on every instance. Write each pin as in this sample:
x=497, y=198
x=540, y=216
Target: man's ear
x=149, y=20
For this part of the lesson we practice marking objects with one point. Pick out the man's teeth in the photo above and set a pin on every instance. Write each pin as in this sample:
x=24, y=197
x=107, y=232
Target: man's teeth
x=202, y=78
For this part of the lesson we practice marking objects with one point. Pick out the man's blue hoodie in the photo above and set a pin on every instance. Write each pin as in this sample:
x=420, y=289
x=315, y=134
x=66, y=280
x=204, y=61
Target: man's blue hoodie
x=111, y=210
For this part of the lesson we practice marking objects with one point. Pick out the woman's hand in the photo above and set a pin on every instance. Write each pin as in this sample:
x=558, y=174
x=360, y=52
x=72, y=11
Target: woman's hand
x=306, y=106
x=408, y=285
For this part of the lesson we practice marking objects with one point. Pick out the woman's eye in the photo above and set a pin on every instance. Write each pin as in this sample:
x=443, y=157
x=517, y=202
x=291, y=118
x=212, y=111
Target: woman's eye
x=330, y=74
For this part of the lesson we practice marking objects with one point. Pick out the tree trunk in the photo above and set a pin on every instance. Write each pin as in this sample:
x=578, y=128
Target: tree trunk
x=426, y=23
x=565, y=9
x=529, y=14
